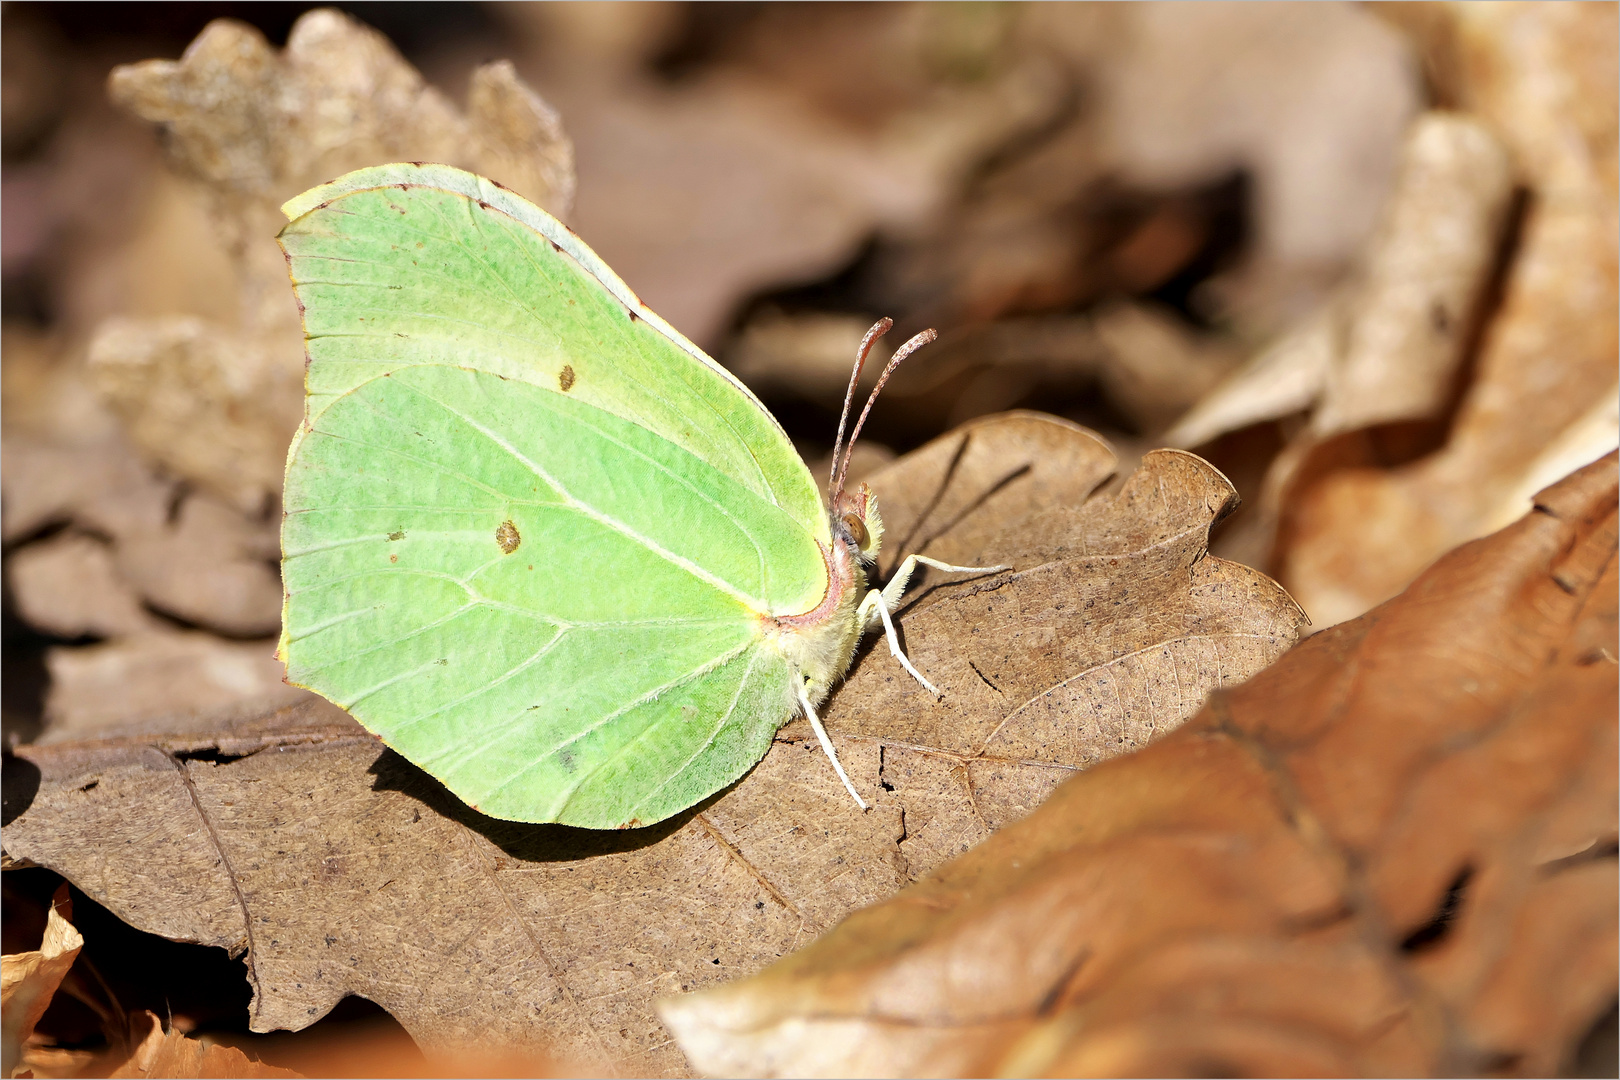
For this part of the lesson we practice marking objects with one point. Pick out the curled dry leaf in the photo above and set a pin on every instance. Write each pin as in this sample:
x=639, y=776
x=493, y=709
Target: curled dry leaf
x=1388, y=350
x=1354, y=864
x=292, y=837
x=1543, y=77
x=29, y=980
x=251, y=127
x=160, y=1053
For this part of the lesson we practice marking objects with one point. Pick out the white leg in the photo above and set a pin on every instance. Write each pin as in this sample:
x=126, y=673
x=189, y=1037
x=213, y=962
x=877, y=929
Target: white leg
x=826, y=744
x=877, y=606
x=893, y=637
x=897, y=585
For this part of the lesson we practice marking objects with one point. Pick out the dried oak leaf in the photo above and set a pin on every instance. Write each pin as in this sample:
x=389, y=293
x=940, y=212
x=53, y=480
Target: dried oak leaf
x=1392, y=853
x=29, y=980
x=294, y=838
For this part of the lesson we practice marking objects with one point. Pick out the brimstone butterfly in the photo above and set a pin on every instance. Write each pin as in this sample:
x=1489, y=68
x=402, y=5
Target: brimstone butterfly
x=535, y=540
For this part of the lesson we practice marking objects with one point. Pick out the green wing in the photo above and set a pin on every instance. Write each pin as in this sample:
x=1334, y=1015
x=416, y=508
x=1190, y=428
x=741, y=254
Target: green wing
x=426, y=264
x=550, y=609
x=547, y=592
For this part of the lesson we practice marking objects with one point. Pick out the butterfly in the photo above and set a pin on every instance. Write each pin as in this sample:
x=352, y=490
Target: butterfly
x=534, y=539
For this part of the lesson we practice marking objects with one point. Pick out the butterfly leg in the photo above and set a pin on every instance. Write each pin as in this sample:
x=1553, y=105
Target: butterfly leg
x=826, y=744
x=877, y=607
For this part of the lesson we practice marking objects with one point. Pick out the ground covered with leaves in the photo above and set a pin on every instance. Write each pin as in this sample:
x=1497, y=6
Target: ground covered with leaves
x=1286, y=388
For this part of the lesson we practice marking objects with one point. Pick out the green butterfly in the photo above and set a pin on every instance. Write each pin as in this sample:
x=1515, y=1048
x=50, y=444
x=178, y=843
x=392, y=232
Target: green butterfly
x=536, y=540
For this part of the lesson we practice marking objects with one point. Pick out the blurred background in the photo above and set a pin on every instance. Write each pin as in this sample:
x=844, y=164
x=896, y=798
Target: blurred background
x=1102, y=208
x=1361, y=257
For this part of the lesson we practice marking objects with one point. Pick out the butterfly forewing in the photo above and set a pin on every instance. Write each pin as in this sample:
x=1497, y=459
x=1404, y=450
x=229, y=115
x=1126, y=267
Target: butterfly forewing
x=393, y=272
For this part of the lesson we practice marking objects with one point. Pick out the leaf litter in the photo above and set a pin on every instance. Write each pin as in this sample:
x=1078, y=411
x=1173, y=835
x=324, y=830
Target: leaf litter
x=293, y=839
x=206, y=700
x=28, y=980
x=1469, y=361
x=1350, y=865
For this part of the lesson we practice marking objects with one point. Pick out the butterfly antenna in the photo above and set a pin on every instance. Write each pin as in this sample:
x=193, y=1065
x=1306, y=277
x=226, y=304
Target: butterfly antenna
x=899, y=354
x=879, y=328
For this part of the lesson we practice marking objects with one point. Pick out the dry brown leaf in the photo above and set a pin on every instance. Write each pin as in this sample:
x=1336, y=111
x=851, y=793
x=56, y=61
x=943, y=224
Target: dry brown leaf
x=1392, y=853
x=68, y=586
x=337, y=868
x=29, y=980
x=151, y=676
x=1113, y=629
x=1388, y=349
x=1423, y=284
x=160, y=1053
x=215, y=402
x=209, y=567
x=1543, y=387
x=102, y=487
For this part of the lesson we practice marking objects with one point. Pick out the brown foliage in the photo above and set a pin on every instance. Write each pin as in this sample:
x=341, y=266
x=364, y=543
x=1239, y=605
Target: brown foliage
x=1390, y=853
x=1379, y=856
x=290, y=837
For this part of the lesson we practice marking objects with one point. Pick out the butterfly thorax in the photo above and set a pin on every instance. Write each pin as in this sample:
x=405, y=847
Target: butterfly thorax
x=820, y=643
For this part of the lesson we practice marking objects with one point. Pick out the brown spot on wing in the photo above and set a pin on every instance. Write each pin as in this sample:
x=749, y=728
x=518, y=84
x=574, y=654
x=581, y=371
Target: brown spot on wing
x=507, y=538
x=565, y=378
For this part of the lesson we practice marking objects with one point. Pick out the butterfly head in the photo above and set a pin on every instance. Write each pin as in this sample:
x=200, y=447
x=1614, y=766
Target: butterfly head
x=856, y=523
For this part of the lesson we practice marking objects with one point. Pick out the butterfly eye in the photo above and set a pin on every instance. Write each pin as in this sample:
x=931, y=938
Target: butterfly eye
x=857, y=530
